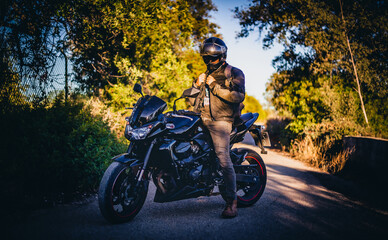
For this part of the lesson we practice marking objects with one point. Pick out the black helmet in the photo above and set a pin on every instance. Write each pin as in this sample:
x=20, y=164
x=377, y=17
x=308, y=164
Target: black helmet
x=212, y=49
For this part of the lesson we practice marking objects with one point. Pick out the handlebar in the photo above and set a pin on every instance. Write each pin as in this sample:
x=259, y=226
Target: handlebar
x=182, y=113
x=181, y=116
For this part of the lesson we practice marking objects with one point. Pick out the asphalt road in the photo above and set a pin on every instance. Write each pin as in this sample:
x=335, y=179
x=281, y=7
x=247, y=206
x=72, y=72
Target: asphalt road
x=295, y=205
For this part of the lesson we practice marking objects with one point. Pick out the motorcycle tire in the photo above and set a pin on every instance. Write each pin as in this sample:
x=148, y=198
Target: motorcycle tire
x=119, y=199
x=249, y=194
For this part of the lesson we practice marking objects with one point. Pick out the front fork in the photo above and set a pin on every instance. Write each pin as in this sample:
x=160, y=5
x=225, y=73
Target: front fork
x=145, y=163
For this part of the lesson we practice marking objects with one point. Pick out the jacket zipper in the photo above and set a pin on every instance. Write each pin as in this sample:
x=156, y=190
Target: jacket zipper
x=210, y=105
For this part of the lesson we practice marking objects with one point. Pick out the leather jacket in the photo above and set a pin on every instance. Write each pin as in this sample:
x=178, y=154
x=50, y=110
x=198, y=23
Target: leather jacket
x=225, y=95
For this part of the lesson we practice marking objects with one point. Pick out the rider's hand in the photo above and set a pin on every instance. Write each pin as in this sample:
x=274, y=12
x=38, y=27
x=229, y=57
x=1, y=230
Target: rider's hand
x=201, y=79
x=209, y=80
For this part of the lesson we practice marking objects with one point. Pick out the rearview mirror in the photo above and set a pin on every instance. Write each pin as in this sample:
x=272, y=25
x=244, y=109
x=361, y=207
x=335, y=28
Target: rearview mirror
x=137, y=88
x=191, y=92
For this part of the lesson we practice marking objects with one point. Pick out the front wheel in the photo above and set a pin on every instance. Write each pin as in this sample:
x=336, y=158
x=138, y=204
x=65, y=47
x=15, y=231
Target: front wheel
x=118, y=197
x=249, y=193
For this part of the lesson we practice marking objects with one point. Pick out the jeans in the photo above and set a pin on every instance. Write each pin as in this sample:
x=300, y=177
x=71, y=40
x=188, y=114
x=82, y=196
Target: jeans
x=220, y=133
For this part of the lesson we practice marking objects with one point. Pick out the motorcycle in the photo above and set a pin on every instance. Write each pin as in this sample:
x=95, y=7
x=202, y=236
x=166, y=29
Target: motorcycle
x=175, y=151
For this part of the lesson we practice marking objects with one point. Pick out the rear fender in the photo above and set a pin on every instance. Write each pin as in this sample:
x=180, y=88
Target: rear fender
x=250, y=122
x=243, y=129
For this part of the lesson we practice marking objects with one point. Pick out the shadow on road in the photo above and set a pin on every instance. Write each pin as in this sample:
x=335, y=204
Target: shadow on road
x=295, y=205
x=300, y=200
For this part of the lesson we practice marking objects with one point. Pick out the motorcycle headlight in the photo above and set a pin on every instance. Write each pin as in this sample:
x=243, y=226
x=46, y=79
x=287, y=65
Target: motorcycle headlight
x=139, y=133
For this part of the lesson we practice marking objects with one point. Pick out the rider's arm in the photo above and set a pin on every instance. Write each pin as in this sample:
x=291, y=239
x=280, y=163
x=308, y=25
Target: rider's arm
x=235, y=93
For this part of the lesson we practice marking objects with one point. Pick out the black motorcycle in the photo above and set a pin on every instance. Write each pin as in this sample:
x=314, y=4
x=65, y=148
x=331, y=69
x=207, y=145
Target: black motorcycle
x=175, y=151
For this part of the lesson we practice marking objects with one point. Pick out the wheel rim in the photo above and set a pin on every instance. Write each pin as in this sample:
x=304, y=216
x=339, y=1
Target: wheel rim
x=248, y=192
x=123, y=198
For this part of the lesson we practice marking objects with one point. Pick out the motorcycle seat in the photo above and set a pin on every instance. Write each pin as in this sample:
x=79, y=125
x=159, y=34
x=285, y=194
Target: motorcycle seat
x=246, y=116
x=241, y=125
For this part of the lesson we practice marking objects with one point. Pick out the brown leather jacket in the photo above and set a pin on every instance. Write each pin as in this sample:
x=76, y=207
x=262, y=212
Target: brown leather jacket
x=225, y=95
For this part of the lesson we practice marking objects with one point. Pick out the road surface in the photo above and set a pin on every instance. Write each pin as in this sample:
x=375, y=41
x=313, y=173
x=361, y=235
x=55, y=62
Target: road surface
x=295, y=205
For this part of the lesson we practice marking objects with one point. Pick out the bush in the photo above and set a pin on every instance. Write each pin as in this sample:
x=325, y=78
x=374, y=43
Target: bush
x=53, y=153
x=279, y=133
x=321, y=145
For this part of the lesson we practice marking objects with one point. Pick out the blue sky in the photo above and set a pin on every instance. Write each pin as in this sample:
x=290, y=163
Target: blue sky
x=245, y=53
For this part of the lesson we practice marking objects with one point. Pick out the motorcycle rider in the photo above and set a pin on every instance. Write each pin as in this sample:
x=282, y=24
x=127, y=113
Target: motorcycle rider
x=222, y=91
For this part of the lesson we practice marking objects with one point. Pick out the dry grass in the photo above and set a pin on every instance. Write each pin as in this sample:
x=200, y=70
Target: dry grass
x=315, y=154
x=338, y=161
x=306, y=151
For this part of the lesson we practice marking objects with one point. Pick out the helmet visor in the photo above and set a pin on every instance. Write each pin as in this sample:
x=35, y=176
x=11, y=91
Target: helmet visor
x=208, y=59
x=212, y=49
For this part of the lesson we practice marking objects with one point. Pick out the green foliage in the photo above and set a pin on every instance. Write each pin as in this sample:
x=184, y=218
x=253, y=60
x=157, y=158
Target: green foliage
x=310, y=101
x=167, y=80
x=195, y=64
x=120, y=96
x=110, y=38
x=315, y=79
x=299, y=97
x=53, y=153
x=119, y=43
x=377, y=108
x=170, y=77
x=12, y=94
x=317, y=27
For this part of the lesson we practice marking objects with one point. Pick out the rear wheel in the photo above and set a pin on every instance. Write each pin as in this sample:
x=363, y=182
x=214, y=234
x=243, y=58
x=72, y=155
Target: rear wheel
x=118, y=197
x=249, y=193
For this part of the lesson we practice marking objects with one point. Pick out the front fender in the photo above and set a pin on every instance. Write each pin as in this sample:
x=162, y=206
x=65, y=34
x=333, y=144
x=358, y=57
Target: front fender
x=123, y=158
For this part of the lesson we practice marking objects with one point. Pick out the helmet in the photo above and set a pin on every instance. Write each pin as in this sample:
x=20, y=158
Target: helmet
x=212, y=49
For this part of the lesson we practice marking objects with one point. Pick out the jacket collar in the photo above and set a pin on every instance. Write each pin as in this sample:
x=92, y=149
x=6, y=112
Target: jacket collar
x=221, y=68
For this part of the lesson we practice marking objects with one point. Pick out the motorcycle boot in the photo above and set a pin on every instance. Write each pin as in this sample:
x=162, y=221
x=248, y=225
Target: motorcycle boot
x=230, y=210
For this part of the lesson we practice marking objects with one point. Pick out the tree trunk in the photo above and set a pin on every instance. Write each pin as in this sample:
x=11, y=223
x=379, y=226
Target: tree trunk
x=354, y=66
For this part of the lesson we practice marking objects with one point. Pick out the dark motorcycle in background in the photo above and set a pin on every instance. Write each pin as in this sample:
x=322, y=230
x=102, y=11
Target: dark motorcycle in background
x=175, y=151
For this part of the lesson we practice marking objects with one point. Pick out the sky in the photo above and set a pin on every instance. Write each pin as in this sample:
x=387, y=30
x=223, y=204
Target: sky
x=246, y=54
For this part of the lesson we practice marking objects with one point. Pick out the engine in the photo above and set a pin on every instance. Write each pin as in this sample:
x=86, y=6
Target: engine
x=184, y=150
x=189, y=160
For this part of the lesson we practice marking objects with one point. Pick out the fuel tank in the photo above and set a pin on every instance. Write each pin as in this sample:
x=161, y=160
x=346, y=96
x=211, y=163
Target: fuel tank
x=181, y=126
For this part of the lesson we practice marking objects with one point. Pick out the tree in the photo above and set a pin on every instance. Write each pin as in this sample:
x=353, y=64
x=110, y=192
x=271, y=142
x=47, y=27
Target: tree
x=251, y=104
x=109, y=38
x=30, y=35
x=319, y=47
x=110, y=42
x=202, y=27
